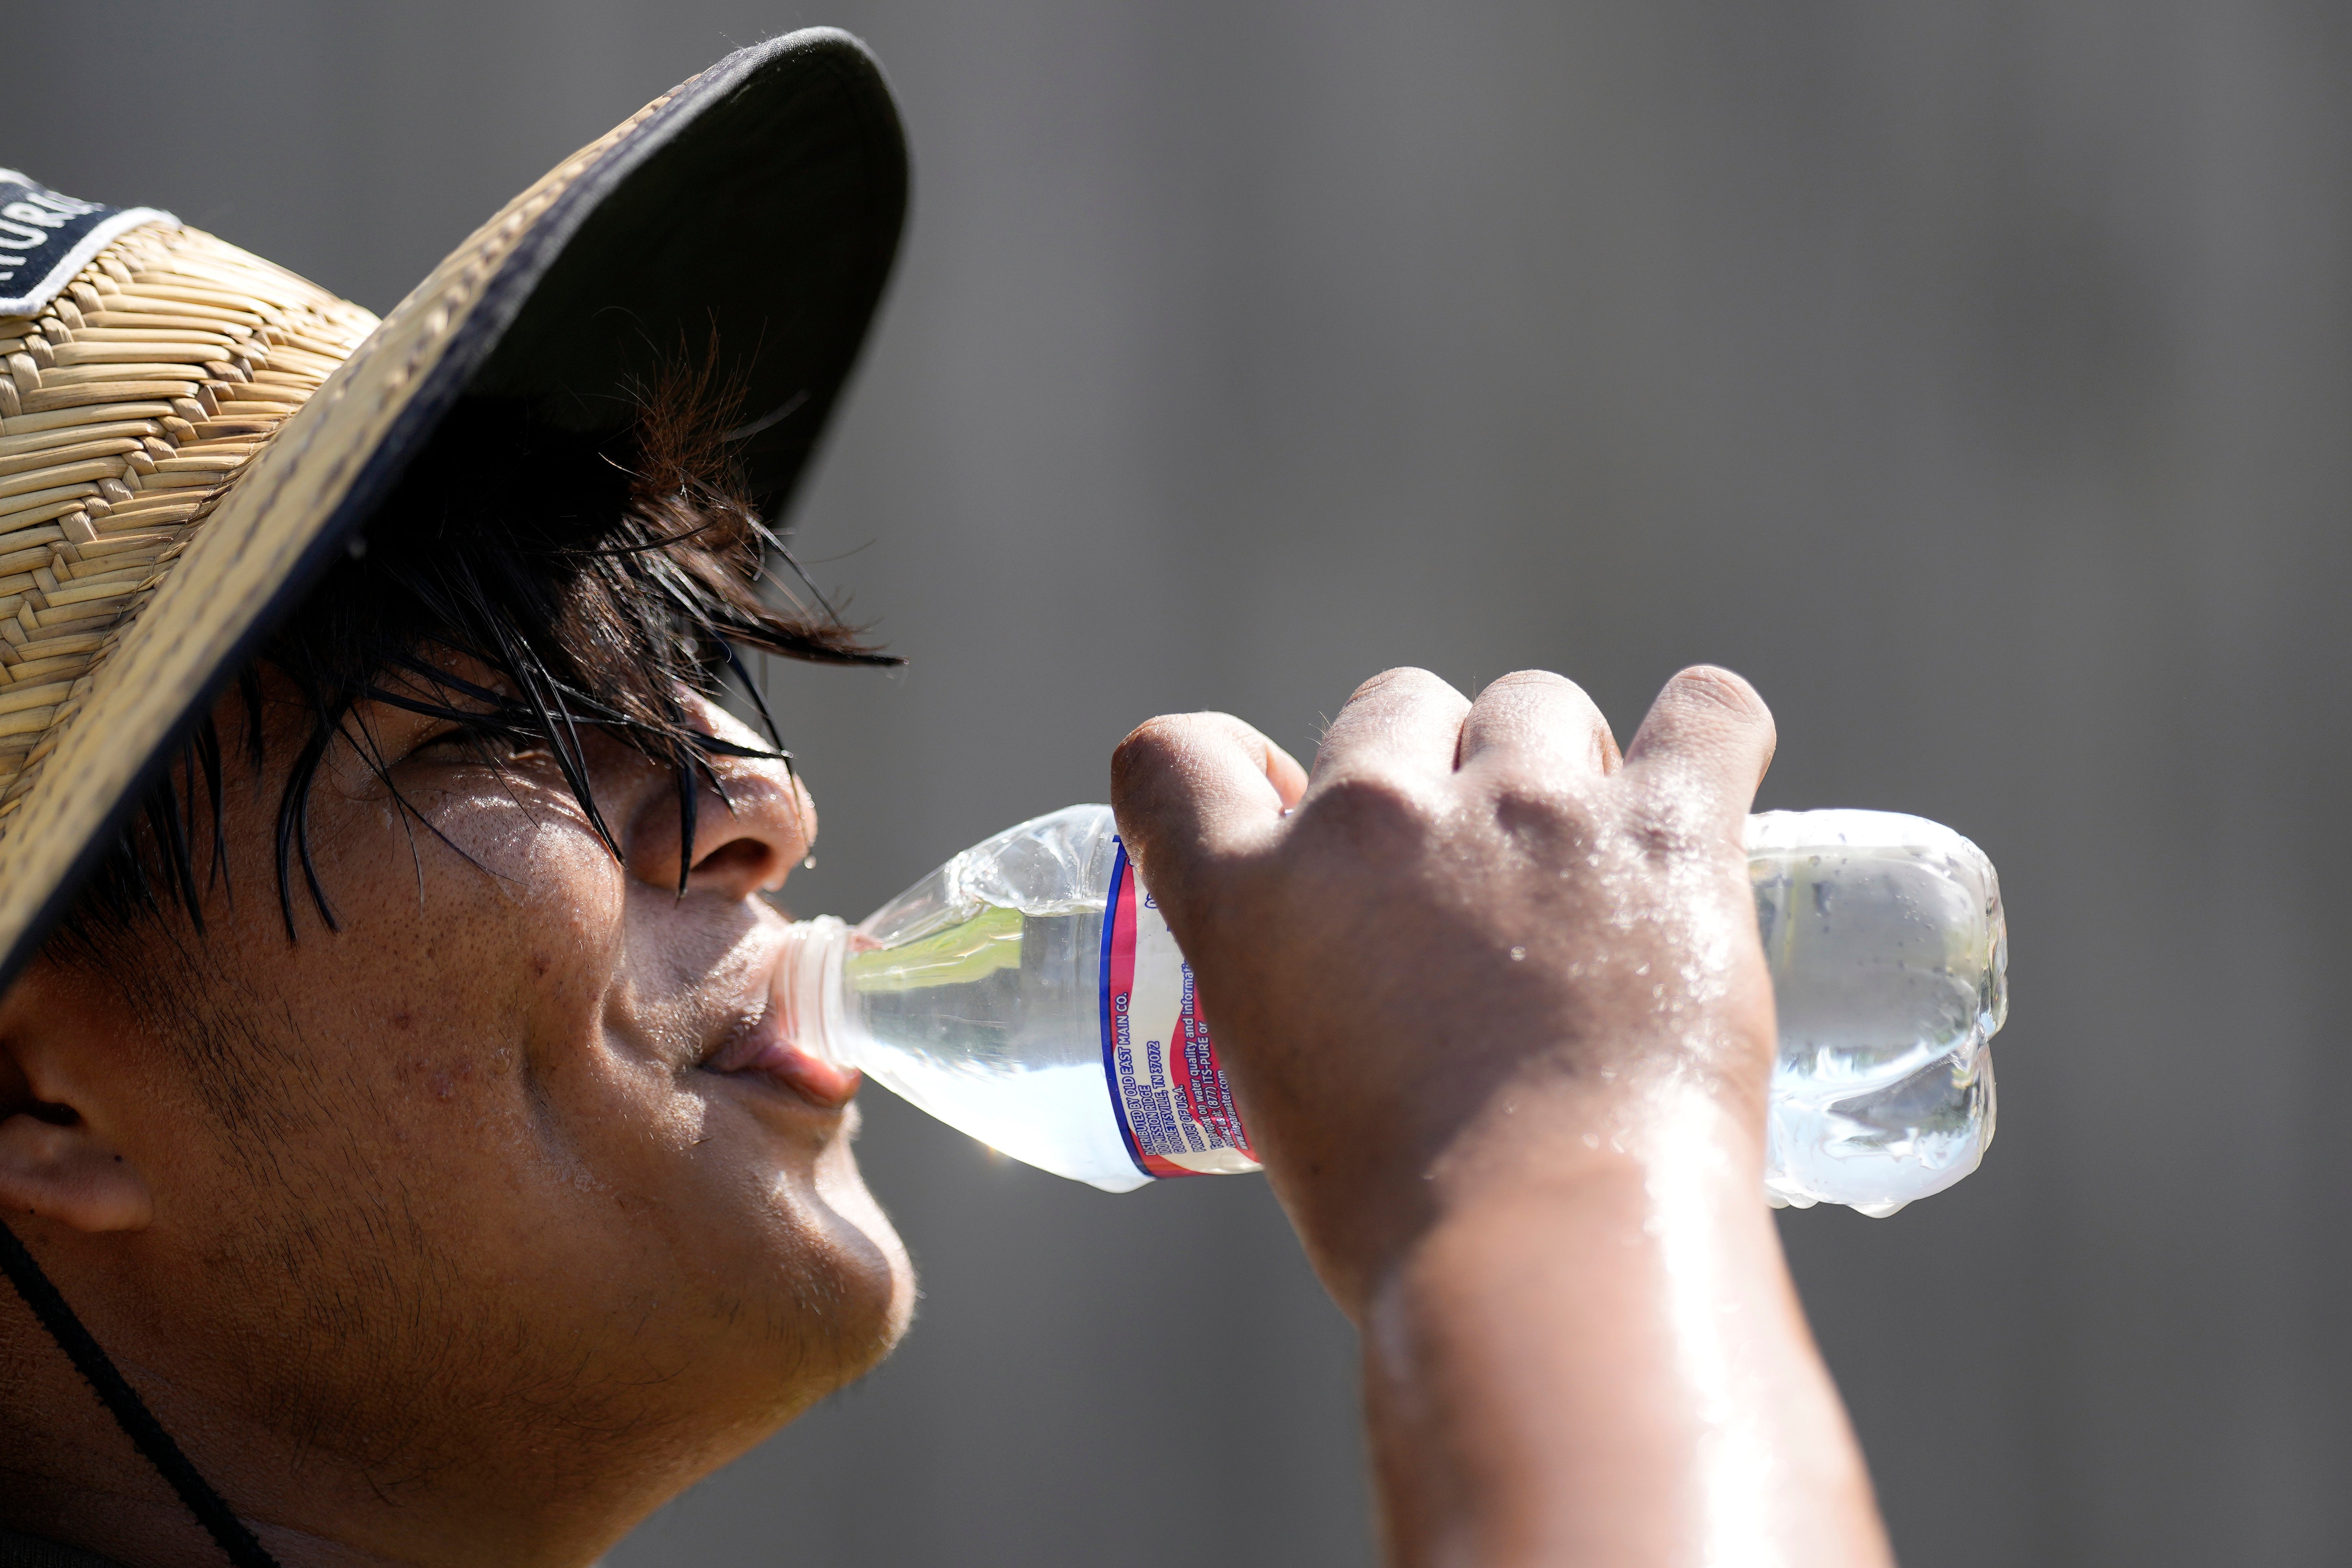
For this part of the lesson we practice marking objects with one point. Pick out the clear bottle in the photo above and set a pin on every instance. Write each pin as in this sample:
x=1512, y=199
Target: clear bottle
x=1029, y=993
x=1889, y=957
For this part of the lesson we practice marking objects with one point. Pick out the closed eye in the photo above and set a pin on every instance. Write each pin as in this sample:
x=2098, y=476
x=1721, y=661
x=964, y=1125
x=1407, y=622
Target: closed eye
x=493, y=747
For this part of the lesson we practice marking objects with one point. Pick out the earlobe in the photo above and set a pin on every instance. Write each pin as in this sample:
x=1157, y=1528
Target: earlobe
x=64, y=1171
x=53, y=1162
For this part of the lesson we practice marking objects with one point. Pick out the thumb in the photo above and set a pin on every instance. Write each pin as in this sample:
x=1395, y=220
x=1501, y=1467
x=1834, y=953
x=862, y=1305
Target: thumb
x=1198, y=786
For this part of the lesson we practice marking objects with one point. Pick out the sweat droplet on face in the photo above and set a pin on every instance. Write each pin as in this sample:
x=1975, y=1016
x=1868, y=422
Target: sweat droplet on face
x=1519, y=953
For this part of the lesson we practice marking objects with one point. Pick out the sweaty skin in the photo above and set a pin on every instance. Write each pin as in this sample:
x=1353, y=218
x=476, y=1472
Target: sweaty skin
x=471, y=1231
x=443, y=1238
x=1496, y=1014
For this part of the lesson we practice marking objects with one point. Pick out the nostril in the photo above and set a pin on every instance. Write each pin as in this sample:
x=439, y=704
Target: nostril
x=736, y=859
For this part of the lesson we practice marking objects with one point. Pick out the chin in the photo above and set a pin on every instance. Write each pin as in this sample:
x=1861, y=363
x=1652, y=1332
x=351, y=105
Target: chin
x=874, y=1294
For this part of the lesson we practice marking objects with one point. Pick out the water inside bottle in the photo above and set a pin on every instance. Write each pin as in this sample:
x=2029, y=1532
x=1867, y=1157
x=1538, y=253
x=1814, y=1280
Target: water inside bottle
x=976, y=994
x=1889, y=951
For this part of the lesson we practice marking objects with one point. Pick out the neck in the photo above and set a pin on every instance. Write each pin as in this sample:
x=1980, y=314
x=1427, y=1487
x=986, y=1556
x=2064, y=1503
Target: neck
x=121, y=1520
x=69, y=1475
x=130, y=1414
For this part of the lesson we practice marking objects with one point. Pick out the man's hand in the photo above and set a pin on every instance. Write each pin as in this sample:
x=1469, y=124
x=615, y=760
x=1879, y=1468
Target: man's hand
x=1494, y=1007
x=1472, y=908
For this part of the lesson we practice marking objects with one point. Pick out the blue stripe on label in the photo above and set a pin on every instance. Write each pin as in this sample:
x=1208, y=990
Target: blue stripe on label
x=1110, y=1034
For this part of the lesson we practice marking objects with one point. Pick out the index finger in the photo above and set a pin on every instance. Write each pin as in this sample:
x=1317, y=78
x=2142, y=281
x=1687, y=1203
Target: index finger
x=1200, y=781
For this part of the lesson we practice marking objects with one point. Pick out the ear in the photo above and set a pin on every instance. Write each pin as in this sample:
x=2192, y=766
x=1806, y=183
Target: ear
x=53, y=1162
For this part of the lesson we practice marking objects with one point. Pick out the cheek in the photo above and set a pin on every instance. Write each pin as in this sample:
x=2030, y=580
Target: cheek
x=473, y=959
x=538, y=1015
x=520, y=900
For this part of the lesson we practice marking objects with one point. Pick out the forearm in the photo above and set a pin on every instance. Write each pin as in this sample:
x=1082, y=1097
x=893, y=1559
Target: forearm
x=1499, y=1019
x=1594, y=1355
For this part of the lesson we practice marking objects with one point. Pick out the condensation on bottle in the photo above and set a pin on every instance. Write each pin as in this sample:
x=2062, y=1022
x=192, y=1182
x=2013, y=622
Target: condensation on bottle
x=1028, y=993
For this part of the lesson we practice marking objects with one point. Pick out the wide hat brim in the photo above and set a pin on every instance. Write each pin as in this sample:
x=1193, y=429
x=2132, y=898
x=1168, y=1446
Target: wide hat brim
x=756, y=207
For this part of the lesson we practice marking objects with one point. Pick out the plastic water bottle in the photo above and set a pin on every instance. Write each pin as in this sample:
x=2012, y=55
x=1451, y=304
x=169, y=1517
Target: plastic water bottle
x=1028, y=993
x=1889, y=957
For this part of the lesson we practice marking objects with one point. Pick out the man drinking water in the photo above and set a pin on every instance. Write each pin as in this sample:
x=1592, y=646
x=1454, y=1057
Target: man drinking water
x=396, y=1137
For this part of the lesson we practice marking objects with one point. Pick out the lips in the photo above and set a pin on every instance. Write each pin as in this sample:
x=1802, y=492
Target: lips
x=813, y=1080
x=766, y=1051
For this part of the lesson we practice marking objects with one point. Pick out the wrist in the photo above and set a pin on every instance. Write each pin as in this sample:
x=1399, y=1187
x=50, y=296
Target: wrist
x=1598, y=1356
x=1558, y=1137
x=1644, y=1159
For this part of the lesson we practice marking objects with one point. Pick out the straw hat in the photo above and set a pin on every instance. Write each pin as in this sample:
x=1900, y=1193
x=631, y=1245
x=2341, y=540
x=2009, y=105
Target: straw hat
x=188, y=434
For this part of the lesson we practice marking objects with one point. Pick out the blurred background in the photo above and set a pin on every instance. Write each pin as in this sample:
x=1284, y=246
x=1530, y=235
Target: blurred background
x=1975, y=377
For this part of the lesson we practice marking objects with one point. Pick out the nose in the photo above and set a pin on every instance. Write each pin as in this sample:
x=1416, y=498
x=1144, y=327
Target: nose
x=746, y=839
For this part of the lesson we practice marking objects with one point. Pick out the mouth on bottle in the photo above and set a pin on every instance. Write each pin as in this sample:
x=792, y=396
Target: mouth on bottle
x=790, y=1043
x=768, y=1050
x=821, y=1083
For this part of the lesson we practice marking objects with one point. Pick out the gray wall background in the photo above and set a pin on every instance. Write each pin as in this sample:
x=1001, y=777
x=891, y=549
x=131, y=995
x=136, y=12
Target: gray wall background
x=1974, y=376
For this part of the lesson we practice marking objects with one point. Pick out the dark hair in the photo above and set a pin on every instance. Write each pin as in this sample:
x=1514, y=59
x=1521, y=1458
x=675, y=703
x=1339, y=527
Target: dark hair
x=596, y=578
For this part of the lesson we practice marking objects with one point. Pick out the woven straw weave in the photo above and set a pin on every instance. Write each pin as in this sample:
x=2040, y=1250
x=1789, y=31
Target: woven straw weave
x=127, y=412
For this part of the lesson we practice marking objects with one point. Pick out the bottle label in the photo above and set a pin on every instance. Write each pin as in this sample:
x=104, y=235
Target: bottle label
x=1167, y=1089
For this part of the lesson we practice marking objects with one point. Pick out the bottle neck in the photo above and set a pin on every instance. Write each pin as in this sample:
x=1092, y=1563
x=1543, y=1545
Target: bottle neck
x=808, y=989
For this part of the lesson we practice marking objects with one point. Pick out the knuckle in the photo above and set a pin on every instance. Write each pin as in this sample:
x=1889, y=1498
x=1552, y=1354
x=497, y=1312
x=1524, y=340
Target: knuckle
x=1366, y=803
x=1161, y=733
x=1539, y=699
x=1670, y=827
x=1407, y=676
x=1538, y=679
x=1150, y=746
x=1526, y=789
x=1716, y=689
x=1529, y=803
